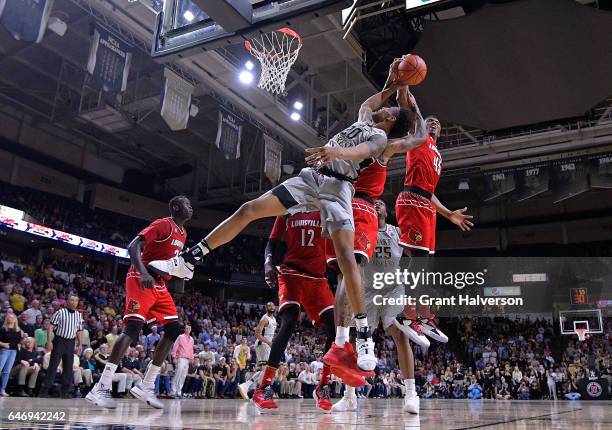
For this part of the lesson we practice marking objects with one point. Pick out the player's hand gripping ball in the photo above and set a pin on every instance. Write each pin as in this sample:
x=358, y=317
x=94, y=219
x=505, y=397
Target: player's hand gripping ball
x=411, y=70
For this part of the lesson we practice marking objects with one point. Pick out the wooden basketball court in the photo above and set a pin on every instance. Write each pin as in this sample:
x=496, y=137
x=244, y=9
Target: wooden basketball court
x=301, y=414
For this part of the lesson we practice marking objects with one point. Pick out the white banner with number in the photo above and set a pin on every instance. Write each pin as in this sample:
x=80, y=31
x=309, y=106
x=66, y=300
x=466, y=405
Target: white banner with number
x=176, y=100
x=272, y=166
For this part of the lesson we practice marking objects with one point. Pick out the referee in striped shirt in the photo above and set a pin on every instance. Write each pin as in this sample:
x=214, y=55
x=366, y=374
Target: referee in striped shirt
x=67, y=325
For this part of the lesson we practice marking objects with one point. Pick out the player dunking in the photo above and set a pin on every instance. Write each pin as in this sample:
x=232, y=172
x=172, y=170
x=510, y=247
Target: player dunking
x=386, y=258
x=327, y=188
x=147, y=300
x=368, y=187
x=264, y=332
x=301, y=282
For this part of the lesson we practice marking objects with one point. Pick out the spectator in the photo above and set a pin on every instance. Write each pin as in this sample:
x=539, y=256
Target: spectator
x=10, y=336
x=101, y=359
x=112, y=337
x=89, y=368
x=220, y=373
x=152, y=339
x=27, y=366
x=182, y=355
x=33, y=312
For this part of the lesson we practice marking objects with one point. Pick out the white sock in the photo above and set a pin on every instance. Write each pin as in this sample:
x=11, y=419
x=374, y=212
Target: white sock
x=410, y=386
x=106, y=379
x=342, y=336
x=151, y=374
x=362, y=322
x=349, y=391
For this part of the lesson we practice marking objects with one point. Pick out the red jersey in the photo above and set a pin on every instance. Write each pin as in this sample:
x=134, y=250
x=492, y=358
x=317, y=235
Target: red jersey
x=164, y=240
x=372, y=178
x=305, y=246
x=424, y=166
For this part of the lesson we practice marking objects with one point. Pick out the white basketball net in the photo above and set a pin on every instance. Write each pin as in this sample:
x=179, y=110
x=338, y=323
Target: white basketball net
x=581, y=332
x=276, y=52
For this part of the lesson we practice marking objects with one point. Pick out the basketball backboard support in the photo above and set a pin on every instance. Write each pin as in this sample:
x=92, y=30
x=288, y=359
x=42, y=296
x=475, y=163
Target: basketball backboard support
x=363, y=9
x=589, y=319
x=187, y=27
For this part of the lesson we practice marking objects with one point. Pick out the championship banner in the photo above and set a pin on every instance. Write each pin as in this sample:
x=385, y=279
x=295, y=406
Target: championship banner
x=600, y=171
x=498, y=183
x=229, y=134
x=176, y=100
x=25, y=20
x=109, y=60
x=569, y=178
x=531, y=181
x=272, y=165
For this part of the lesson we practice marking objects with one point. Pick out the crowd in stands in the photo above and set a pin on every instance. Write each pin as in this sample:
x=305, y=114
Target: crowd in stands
x=496, y=359
x=71, y=216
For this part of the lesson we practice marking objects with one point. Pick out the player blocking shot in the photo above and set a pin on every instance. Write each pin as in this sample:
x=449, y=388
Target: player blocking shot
x=386, y=259
x=296, y=248
x=325, y=186
x=416, y=208
x=147, y=300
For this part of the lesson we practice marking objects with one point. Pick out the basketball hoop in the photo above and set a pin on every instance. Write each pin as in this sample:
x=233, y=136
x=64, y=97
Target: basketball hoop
x=276, y=52
x=581, y=332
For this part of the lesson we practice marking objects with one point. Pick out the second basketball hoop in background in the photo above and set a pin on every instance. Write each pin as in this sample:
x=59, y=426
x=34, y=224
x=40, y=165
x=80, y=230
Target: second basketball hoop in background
x=276, y=52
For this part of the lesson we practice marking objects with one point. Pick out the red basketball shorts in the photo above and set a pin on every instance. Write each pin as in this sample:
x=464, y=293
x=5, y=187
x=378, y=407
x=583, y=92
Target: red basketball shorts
x=366, y=232
x=301, y=289
x=416, y=217
x=148, y=304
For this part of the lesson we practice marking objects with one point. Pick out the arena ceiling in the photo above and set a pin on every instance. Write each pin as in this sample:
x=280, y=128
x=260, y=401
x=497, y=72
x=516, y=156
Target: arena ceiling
x=533, y=81
x=517, y=63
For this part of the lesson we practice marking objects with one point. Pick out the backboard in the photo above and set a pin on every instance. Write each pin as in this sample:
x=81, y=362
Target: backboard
x=589, y=319
x=187, y=27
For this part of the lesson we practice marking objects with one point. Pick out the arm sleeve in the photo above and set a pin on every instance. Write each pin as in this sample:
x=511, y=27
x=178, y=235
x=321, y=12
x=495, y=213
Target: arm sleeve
x=365, y=115
x=159, y=229
x=279, y=229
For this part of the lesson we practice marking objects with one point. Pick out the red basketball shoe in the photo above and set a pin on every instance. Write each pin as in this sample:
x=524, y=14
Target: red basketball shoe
x=321, y=396
x=345, y=359
x=262, y=398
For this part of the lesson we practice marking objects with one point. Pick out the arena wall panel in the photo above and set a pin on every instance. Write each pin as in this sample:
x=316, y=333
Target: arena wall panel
x=6, y=165
x=34, y=175
x=477, y=238
x=10, y=127
x=43, y=142
x=134, y=205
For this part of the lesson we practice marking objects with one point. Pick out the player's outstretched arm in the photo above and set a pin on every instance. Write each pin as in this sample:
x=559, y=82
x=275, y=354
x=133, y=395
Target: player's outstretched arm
x=457, y=217
x=376, y=101
x=406, y=143
x=135, y=252
x=325, y=154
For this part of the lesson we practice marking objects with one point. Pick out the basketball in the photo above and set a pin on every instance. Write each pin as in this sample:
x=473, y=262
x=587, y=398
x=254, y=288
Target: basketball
x=412, y=70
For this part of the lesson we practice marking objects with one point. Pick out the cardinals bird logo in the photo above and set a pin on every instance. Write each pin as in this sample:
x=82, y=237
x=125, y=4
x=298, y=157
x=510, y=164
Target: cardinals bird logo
x=415, y=235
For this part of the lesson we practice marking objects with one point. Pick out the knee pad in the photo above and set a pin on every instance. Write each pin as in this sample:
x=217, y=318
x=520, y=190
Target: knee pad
x=132, y=328
x=173, y=330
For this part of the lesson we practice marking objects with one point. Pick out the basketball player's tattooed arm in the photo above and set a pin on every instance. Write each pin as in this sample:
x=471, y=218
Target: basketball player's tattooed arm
x=135, y=251
x=273, y=256
x=457, y=217
x=419, y=132
x=373, y=147
x=259, y=331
